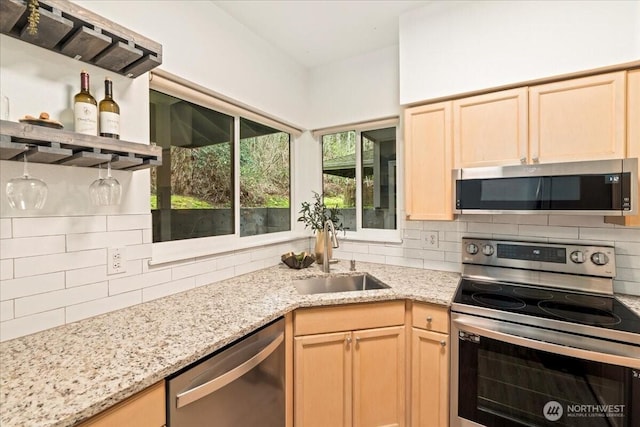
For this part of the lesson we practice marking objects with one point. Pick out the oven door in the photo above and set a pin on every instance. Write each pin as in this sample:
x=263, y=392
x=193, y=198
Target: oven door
x=504, y=374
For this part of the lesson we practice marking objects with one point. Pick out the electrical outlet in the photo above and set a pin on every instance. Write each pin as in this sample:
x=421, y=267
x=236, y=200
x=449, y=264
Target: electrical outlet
x=116, y=260
x=430, y=239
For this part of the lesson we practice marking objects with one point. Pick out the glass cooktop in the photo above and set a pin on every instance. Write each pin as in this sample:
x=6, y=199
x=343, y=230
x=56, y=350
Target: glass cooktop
x=584, y=309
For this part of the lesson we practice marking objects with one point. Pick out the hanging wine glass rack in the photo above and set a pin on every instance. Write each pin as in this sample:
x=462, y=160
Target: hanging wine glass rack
x=56, y=146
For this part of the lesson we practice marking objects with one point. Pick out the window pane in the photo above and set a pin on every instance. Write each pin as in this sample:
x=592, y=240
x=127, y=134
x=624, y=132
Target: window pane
x=192, y=192
x=339, y=175
x=379, y=178
x=264, y=179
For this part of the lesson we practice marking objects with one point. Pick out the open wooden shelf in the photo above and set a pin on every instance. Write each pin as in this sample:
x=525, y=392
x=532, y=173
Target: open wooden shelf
x=76, y=32
x=57, y=146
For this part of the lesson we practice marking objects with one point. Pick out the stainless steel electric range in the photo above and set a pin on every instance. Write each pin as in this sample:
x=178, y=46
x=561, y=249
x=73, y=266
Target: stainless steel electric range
x=539, y=339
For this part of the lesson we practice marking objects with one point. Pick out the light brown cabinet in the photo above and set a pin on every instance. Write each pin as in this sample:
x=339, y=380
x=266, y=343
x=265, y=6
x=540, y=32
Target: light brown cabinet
x=430, y=366
x=491, y=129
x=578, y=119
x=428, y=162
x=144, y=409
x=351, y=376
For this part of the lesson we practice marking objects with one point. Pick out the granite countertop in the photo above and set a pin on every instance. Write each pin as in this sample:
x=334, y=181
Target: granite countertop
x=64, y=375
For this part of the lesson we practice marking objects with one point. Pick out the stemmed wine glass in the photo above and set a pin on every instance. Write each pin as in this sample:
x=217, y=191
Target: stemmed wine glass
x=105, y=191
x=26, y=192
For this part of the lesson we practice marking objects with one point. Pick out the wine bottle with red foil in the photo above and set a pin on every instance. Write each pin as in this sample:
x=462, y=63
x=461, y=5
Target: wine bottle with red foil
x=109, y=113
x=85, y=108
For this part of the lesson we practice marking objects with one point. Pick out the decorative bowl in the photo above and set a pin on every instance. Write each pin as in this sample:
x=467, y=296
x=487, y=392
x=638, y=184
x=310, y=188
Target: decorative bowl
x=299, y=261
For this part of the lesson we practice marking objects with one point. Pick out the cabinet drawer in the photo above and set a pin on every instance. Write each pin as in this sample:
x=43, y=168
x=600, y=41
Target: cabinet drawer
x=145, y=409
x=348, y=317
x=430, y=317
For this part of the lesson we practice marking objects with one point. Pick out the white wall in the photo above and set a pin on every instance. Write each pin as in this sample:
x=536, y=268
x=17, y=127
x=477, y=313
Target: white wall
x=448, y=48
x=204, y=44
x=354, y=90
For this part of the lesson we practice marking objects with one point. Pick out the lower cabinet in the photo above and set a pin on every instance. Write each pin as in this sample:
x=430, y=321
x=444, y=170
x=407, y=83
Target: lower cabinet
x=144, y=409
x=430, y=366
x=355, y=377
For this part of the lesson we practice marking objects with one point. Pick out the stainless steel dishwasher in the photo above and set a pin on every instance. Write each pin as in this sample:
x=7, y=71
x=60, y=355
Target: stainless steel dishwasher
x=239, y=386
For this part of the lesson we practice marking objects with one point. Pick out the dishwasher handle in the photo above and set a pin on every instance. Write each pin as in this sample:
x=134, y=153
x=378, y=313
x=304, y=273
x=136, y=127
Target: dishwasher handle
x=217, y=383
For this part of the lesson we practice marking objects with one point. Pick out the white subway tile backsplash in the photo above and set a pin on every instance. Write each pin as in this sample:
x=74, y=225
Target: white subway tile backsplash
x=127, y=284
x=628, y=274
x=29, y=324
x=442, y=265
x=147, y=236
x=84, y=310
x=362, y=248
x=493, y=228
x=159, y=291
x=142, y=251
x=459, y=226
x=215, y=276
x=31, y=285
x=521, y=219
x=6, y=310
x=84, y=276
x=453, y=246
x=5, y=228
x=404, y=262
x=128, y=222
x=6, y=269
x=550, y=232
x=578, y=221
x=410, y=244
x=622, y=287
x=47, y=226
x=412, y=233
x=380, y=259
x=413, y=225
x=627, y=261
x=394, y=251
x=31, y=246
x=30, y=266
x=59, y=299
x=628, y=248
x=622, y=234
x=453, y=257
x=84, y=241
x=194, y=269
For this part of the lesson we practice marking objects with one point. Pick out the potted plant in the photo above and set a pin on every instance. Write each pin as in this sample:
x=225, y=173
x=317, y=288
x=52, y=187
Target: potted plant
x=314, y=216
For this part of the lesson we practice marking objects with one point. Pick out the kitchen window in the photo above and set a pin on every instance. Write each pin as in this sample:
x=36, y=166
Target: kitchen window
x=359, y=177
x=226, y=173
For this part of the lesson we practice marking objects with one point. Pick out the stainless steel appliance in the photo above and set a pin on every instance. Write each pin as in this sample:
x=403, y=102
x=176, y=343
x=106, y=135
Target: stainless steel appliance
x=242, y=385
x=603, y=187
x=538, y=339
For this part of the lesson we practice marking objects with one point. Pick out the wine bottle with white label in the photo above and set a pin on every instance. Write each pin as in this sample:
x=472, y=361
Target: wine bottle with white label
x=109, y=113
x=85, y=108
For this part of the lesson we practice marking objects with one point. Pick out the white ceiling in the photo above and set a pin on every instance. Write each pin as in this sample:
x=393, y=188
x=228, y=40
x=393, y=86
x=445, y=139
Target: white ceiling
x=317, y=32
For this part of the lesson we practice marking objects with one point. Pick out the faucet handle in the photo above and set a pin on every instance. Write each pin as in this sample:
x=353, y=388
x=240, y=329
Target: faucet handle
x=352, y=266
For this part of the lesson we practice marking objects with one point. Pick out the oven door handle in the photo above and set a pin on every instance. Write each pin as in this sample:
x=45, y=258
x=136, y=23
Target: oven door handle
x=217, y=383
x=468, y=326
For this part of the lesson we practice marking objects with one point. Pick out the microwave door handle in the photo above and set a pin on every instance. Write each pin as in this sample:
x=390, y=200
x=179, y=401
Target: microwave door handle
x=468, y=326
x=217, y=383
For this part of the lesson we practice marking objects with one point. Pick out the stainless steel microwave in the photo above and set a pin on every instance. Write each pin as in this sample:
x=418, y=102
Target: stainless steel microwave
x=601, y=187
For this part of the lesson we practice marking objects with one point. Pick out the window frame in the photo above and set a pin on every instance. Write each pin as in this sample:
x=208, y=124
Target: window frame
x=184, y=249
x=368, y=234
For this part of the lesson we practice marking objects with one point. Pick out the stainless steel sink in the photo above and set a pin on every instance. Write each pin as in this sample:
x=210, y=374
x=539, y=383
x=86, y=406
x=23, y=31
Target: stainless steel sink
x=319, y=285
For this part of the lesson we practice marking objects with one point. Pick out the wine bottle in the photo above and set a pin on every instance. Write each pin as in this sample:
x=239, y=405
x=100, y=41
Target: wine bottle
x=109, y=113
x=85, y=108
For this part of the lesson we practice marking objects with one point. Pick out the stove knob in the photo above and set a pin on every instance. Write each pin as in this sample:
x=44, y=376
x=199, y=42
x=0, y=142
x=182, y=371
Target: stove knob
x=487, y=250
x=599, y=258
x=472, y=249
x=577, y=257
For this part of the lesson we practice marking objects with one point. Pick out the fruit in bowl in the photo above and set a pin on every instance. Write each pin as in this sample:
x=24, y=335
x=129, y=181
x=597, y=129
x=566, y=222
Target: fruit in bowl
x=298, y=261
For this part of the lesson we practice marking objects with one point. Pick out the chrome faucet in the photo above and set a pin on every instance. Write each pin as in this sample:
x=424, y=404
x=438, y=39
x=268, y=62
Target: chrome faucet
x=328, y=226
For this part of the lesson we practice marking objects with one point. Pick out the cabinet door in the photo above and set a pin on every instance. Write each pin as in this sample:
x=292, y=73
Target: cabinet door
x=491, y=129
x=145, y=409
x=428, y=162
x=322, y=380
x=430, y=379
x=379, y=377
x=578, y=119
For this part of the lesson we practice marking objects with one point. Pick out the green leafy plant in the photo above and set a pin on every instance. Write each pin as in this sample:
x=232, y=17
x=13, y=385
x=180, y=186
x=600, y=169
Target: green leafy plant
x=316, y=214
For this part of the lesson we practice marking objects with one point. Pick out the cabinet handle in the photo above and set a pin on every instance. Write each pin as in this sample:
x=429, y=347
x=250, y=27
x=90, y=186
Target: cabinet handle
x=523, y=160
x=536, y=160
x=429, y=319
x=443, y=343
x=347, y=340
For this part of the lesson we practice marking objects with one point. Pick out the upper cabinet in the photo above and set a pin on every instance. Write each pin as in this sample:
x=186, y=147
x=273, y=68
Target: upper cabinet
x=491, y=129
x=578, y=119
x=428, y=162
x=74, y=31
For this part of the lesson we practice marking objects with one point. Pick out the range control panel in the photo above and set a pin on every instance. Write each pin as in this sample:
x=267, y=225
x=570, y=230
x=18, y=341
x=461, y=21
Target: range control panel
x=556, y=257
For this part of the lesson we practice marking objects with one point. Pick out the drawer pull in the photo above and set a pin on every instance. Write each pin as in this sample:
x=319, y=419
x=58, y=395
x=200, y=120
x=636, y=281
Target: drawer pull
x=347, y=340
x=443, y=343
x=429, y=319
